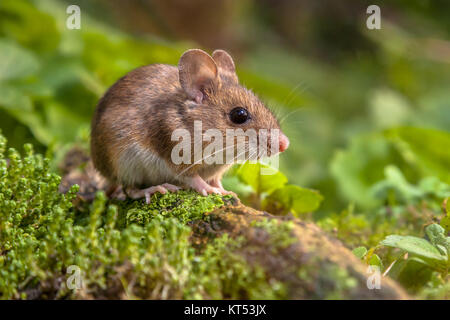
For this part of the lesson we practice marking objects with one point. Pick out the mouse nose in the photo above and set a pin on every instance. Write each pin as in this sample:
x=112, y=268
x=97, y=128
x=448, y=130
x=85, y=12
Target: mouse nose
x=284, y=142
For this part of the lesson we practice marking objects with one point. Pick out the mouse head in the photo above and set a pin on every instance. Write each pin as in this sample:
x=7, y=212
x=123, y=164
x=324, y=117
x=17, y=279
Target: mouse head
x=217, y=99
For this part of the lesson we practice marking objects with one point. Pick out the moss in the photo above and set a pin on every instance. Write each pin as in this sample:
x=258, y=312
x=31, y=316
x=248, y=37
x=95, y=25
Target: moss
x=123, y=249
x=183, y=205
x=279, y=232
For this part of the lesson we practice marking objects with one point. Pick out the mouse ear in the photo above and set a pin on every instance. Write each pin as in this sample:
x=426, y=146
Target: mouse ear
x=225, y=63
x=197, y=72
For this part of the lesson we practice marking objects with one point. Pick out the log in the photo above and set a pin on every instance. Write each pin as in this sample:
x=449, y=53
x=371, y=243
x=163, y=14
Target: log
x=315, y=265
x=312, y=265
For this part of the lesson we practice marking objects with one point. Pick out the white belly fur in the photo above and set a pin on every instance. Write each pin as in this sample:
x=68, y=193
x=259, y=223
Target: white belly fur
x=138, y=166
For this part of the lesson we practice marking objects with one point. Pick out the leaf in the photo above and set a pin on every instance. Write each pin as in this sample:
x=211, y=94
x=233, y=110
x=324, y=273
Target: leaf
x=362, y=165
x=396, y=181
x=293, y=198
x=376, y=261
x=14, y=99
x=30, y=26
x=250, y=174
x=360, y=252
x=437, y=237
x=428, y=147
x=16, y=62
x=434, y=186
x=419, y=247
x=416, y=151
x=412, y=273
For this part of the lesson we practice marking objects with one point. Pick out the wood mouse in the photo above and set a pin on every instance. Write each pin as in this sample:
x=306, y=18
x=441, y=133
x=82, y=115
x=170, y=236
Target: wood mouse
x=131, y=132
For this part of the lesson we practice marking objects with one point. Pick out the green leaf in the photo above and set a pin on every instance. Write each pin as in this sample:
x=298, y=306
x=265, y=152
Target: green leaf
x=429, y=148
x=376, y=261
x=360, y=252
x=437, y=237
x=293, y=198
x=16, y=62
x=14, y=99
x=419, y=247
x=396, y=181
x=412, y=273
x=434, y=186
x=252, y=175
x=362, y=165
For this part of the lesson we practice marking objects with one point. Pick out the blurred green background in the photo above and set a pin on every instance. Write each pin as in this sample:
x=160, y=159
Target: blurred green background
x=353, y=101
x=367, y=111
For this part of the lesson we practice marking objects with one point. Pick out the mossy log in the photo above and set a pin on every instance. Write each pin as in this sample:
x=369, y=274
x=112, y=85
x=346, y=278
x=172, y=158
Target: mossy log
x=311, y=263
x=315, y=265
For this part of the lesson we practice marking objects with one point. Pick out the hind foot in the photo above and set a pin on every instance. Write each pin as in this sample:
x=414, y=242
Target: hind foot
x=148, y=192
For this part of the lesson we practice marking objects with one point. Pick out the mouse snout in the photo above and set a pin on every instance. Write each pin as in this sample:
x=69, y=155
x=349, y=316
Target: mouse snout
x=284, y=142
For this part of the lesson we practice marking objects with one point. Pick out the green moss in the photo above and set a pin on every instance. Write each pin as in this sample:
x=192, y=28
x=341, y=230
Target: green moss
x=123, y=249
x=280, y=232
x=183, y=205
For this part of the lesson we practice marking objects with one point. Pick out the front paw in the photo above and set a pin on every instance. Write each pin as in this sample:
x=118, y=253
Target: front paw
x=201, y=186
x=205, y=190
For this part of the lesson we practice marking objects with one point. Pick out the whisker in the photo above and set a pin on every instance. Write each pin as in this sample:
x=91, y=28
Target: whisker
x=203, y=158
x=292, y=92
x=289, y=114
x=251, y=155
x=305, y=86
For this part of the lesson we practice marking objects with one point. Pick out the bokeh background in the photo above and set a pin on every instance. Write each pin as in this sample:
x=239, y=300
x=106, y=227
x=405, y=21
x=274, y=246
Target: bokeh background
x=367, y=111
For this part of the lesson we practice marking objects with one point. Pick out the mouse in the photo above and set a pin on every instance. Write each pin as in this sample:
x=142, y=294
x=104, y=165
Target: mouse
x=132, y=130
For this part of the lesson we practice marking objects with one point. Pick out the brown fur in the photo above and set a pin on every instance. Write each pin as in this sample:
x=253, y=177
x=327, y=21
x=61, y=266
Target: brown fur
x=147, y=104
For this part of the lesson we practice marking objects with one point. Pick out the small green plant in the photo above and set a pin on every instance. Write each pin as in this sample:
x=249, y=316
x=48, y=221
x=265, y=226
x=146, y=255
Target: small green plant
x=271, y=191
x=423, y=263
x=433, y=252
x=392, y=230
x=368, y=256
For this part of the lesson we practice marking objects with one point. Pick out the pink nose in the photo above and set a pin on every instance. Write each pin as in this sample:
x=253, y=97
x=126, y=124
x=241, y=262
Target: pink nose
x=284, y=142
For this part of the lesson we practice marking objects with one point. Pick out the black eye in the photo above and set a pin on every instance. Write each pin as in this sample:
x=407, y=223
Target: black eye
x=239, y=115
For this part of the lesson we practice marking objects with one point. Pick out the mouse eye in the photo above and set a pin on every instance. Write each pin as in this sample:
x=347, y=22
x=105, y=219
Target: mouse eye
x=239, y=115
